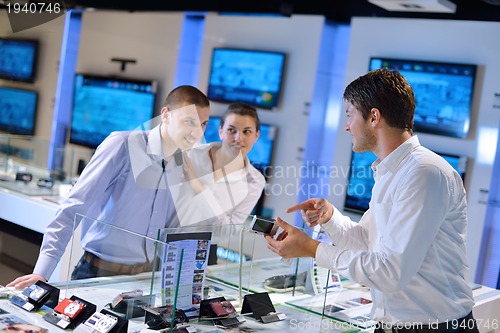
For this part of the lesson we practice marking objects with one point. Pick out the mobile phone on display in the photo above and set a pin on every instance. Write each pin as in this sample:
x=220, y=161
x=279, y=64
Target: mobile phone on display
x=35, y=292
x=98, y=322
x=69, y=308
x=222, y=308
x=261, y=225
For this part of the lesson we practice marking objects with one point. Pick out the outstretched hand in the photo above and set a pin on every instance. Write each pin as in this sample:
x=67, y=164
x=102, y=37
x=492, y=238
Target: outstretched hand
x=291, y=242
x=314, y=211
x=26, y=281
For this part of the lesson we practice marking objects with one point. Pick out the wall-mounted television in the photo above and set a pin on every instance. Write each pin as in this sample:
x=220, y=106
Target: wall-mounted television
x=18, y=59
x=18, y=111
x=102, y=105
x=443, y=92
x=250, y=76
x=262, y=151
x=360, y=181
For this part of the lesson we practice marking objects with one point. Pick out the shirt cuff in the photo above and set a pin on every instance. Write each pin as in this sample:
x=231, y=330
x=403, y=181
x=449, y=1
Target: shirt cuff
x=45, y=266
x=329, y=226
x=325, y=255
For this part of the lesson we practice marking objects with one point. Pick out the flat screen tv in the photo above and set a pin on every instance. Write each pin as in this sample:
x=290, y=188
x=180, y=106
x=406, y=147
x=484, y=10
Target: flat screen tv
x=18, y=59
x=360, y=181
x=18, y=111
x=102, y=105
x=249, y=76
x=262, y=151
x=443, y=92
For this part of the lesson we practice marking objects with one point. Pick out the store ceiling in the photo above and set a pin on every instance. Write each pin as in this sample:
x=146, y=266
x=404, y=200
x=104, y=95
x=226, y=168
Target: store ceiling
x=336, y=10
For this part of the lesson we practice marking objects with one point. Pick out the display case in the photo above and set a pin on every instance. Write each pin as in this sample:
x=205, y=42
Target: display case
x=180, y=279
x=184, y=273
x=30, y=167
x=23, y=165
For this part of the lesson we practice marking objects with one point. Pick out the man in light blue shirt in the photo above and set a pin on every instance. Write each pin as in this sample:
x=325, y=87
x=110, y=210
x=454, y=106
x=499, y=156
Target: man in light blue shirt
x=125, y=184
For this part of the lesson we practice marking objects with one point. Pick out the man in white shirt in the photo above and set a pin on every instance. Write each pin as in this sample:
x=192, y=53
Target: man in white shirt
x=409, y=247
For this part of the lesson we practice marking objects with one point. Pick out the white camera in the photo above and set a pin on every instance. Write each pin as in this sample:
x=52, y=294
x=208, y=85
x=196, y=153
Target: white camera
x=263, y=226
x=101, y=322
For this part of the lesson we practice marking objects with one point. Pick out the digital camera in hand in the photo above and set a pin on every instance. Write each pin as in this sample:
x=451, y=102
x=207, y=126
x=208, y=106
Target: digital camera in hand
x=261, y=225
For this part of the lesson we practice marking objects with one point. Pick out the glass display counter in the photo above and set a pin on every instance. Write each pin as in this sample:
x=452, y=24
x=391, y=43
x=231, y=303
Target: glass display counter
x=24, y=165
x=183, y=273
x=23, y=162
x=177, y=275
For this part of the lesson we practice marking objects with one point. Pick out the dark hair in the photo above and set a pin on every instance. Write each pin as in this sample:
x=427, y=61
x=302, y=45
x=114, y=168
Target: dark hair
x=186, y=95
x=389, y=92
x=241, y=109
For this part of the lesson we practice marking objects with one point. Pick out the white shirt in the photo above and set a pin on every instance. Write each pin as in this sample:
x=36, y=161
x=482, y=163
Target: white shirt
x=409, y=247
x=227, y=200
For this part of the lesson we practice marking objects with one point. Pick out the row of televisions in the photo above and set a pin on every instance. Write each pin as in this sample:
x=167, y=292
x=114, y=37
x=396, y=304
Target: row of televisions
x=444, y=93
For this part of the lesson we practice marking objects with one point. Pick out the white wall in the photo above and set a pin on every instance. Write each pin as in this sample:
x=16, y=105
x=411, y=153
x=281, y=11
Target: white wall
x=152, y=39
x=299, y=37
x=49, y=36
x=445, y=41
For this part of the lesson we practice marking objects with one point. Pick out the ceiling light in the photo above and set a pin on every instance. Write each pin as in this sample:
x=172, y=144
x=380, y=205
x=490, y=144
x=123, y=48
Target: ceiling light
x=427, y=6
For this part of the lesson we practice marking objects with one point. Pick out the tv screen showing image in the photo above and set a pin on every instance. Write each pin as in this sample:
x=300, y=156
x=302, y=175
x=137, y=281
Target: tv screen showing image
x=443, y=92
x=18, y=59
x=360, y=181
x=102, y=105
x=249, y=76
x=18, y=111
x=262, y=151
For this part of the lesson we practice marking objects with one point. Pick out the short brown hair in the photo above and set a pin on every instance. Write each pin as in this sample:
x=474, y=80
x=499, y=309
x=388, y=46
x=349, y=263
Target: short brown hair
x=186, y=95
x=389, y=92
x=241, y=109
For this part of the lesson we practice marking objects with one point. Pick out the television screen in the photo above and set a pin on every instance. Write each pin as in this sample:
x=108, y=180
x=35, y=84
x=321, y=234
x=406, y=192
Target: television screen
x=102, y=105
x=248, y=76
x=360, y=181
x=18, y=111
x=18, y=59
x=443, y=92
x=262, y=151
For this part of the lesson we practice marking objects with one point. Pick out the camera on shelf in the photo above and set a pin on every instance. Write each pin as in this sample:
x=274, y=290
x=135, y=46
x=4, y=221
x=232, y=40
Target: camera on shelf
x=35, y=292
x=130, y=303
x=36, y=295
x=69, y=309
x=161, y=317
x=45, y=183
x=220, y=311
x=223, y=308
x=70, y=312
x=24, y=177
x=100, y=322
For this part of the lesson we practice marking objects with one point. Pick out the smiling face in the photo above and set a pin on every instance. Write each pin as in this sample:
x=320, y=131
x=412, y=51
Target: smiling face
x=186, y=125
x=239, y=133
x=362, y=136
